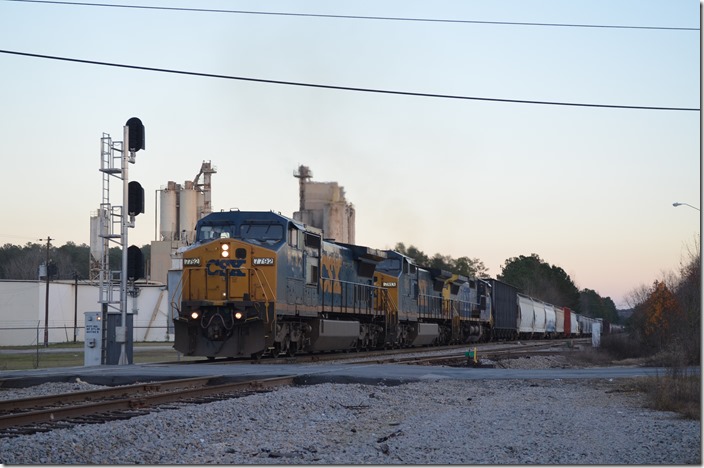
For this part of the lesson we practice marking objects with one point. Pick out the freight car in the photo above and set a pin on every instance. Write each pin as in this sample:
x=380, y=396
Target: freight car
x=259, y=283
x=517, y=315
x=504, y=299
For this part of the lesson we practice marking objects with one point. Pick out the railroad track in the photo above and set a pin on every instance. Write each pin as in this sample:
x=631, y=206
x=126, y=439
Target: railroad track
x=494, y=349
x=484, y=352
x=46, y=413
x=314, y=357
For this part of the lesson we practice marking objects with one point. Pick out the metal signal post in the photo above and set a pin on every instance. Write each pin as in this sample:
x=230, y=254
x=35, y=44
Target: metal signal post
x=121, y=331
x=132, y=205
x=133, y=141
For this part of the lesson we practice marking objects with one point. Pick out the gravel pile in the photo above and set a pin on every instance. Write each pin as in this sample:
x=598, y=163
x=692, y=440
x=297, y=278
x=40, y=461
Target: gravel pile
x=429, y=422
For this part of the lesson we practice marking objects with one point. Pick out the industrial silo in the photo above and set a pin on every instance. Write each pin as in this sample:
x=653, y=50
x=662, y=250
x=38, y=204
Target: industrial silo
x=168, y=221
x=188, y=212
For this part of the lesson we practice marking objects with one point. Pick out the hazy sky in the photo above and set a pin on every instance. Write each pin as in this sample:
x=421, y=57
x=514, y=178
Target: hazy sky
x=589, y=189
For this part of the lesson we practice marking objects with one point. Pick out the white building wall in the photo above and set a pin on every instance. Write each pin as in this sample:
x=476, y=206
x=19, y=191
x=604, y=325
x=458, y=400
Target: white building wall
x=23, y=309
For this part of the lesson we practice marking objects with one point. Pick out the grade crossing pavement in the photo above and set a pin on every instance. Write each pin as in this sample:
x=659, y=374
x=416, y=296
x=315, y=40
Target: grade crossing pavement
x=371, y=373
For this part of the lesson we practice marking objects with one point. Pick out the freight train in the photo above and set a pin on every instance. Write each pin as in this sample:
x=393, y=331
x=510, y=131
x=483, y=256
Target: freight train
x=259, y=283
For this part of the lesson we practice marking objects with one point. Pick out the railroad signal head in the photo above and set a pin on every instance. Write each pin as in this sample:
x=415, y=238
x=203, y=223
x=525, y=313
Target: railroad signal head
x=135, y=263
x=135, y=198
x=136, y=134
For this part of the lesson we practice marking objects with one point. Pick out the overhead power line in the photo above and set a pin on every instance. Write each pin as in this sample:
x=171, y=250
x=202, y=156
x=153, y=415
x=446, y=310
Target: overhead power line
x=340, y=88
x=359, y=17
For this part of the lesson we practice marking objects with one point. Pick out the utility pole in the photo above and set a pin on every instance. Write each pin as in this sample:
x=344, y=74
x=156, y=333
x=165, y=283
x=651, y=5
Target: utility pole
x=75, y=306
x=46, y=303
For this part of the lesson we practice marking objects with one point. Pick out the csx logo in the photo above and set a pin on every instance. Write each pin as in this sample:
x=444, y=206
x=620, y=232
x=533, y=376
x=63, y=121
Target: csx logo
x=219, y=267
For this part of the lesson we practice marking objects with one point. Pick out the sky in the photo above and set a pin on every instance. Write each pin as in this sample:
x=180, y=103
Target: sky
x=588, y=188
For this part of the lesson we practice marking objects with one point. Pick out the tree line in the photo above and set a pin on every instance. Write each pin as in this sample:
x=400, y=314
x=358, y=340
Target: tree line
x=531, y=275
x=666, y=316
x=68, y=262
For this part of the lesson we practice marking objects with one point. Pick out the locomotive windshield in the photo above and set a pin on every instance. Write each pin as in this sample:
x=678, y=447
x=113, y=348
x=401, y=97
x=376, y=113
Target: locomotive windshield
x=257, y=233
x=210, y=231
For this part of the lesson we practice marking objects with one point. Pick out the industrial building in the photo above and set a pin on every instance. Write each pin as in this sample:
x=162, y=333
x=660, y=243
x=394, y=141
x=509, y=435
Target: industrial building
x=323, y=205
x=181, y=206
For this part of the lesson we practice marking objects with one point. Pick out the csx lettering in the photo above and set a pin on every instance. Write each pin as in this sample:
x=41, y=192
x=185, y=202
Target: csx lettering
x=224, y=267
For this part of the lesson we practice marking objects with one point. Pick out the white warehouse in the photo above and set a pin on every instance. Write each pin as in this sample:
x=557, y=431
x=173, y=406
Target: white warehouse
x=23, y=311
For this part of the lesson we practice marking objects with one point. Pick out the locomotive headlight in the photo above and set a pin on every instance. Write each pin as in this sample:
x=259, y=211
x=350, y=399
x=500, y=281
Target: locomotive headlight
x=224, y=250
x=194, y=315
x=238, y=315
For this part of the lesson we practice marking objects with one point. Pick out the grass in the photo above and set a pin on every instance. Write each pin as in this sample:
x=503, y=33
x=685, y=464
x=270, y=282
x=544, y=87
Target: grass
x=71, y=355
x=678, y=390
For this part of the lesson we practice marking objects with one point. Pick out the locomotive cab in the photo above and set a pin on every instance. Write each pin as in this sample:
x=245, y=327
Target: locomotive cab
x=228, y=285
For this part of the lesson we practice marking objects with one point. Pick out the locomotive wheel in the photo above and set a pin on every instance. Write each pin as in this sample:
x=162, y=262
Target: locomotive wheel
x=292, y=348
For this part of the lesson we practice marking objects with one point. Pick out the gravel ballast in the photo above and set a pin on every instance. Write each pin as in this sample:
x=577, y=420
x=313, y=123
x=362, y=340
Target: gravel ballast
x=428, y=422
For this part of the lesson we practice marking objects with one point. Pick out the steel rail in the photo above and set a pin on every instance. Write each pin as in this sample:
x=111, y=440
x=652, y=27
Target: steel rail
x=112, y=392
x=139, y=402
x=501, y=351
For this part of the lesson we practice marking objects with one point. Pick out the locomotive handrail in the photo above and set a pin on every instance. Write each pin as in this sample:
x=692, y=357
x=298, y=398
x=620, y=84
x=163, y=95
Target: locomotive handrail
x=390, y=316
x=266, y=297
x=362, y=296
x=430, y=306
x=174, y=299
x=390, y=300
x=464, y=312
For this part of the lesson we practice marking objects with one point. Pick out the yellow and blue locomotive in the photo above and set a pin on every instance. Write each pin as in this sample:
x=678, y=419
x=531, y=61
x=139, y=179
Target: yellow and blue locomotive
x=259, y=283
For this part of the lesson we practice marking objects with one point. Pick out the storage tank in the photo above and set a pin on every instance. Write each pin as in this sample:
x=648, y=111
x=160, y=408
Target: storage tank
x=188, y=212
x=168, y=220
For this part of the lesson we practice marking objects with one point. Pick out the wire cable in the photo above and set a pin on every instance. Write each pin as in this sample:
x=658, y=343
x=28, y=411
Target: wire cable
x=341, y=88
x=384, y=18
